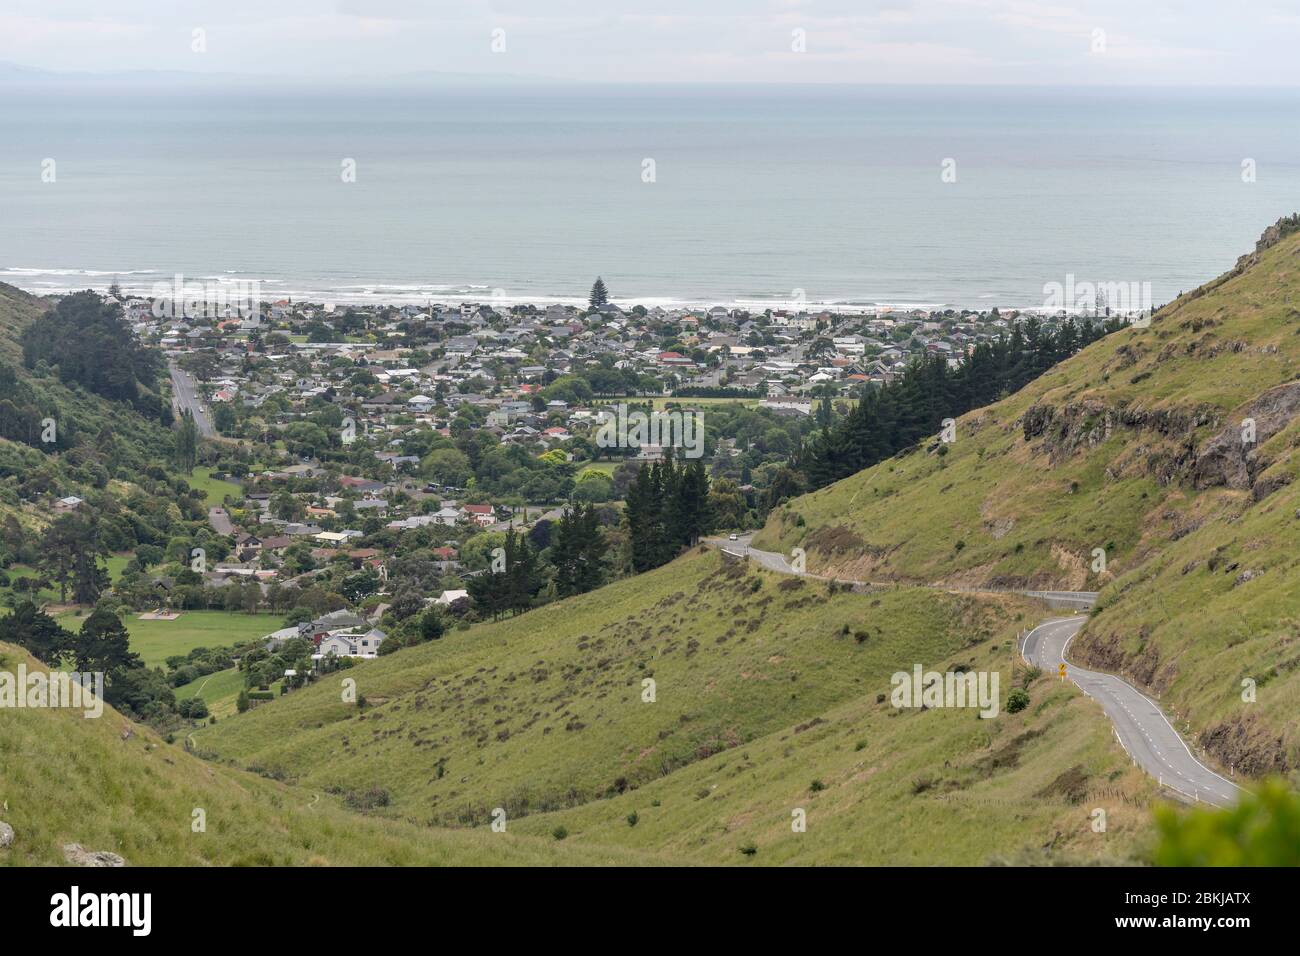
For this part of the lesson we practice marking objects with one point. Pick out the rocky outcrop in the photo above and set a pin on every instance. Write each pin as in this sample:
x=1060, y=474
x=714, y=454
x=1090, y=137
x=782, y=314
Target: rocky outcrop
x=78, y=855
x=6, y=835
x=1229, y=461
x=1105, y=652
x=1245, y=745
x=1224, y=460
x=1076, y=426
x=1269, y=238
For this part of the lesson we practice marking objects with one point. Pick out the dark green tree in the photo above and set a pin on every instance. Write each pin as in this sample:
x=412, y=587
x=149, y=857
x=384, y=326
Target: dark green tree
x=103, y=644
x=31, y=628
x=578, y=551
x=187, y=443
x=511, y=587
x=432, y=624
x=70, y=549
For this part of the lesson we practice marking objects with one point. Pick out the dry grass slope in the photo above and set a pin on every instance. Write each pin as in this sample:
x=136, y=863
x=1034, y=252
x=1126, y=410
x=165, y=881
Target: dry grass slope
x=112, y=785
x=762, y=684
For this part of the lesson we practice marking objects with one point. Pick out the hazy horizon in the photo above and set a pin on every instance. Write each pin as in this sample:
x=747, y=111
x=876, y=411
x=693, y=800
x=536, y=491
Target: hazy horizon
x=925, y=42
x=892, y=195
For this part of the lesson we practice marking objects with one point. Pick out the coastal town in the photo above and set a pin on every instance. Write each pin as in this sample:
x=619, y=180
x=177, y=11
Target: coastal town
x=333, y=484
x=357, y=437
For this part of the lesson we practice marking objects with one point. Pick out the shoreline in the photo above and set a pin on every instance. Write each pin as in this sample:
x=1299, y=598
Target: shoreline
x=419, y=295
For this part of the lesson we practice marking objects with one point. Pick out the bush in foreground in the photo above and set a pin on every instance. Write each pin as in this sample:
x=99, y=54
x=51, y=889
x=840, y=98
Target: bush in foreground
x=1262, y=830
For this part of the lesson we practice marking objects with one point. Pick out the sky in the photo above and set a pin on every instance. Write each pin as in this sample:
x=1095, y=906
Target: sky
x=1145, y=42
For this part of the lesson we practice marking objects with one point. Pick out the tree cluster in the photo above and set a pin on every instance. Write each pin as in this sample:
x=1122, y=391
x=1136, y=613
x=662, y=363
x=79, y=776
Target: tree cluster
x=668, y=509
x=913, y=406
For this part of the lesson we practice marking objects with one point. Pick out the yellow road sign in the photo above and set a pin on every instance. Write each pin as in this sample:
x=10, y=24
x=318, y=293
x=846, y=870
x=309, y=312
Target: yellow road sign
x=1061, y=671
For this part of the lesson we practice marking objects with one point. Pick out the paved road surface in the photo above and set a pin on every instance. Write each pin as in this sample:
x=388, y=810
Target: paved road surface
x=185, y=396
x=220, y=521
x=778, y=562
x=1140, y=726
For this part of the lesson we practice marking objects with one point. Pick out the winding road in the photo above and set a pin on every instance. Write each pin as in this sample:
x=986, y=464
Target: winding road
x=1140, y=725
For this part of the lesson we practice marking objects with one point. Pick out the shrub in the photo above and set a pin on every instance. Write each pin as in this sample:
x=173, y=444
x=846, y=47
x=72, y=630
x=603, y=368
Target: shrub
x=560, y=832
x=749, y=849
x=192, y=708
x=816, y=786
x=370, y=799
x=1017, y=700
x=632, y=818
x=1263, y=829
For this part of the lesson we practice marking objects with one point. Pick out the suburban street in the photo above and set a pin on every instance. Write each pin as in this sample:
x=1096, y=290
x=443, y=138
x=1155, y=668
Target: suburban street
x=185, y=397
x=1140, y=726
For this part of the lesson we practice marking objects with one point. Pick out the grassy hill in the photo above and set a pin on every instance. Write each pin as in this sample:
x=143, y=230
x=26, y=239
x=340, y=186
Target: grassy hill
x=109, y=784
x=762, y=685
x=18, y=309
x=1134, y=446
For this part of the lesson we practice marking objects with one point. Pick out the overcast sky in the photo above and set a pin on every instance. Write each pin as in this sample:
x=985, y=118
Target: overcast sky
x=1166, y=42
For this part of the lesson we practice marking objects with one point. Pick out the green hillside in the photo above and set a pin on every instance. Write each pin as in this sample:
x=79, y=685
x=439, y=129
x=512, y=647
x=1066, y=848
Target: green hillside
x=763, y=684
x=1133, y=447
x=109, y=784
x=102, y=445
x=689, y=714
x=18, y=309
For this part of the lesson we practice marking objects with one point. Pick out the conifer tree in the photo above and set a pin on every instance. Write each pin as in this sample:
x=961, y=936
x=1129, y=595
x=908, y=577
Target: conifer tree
x=577, y=552
x=911, y=408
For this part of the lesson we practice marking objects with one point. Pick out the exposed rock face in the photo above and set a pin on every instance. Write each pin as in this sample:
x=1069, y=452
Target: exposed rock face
x=1240, y=742
x=1245, y=745
x=1270, y=237
x=1226, y=460
x=1106, y=652
x=78, y=855
x=6, y=835
x=1088, y=423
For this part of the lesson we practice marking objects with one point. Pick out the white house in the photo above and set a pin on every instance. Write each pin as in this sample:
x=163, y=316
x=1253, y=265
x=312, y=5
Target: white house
x=352, y=644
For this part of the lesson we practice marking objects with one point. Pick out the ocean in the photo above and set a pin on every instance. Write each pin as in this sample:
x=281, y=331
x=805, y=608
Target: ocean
x=759, y=196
